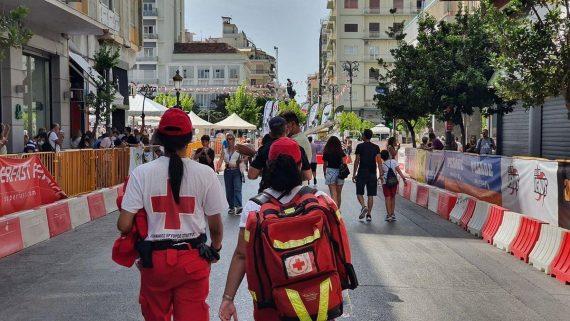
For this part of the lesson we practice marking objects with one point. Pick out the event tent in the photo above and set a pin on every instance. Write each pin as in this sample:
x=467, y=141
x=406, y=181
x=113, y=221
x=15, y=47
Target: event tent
x=380, y=129
x=198, y=122
x=151, y=108
x=234, y=122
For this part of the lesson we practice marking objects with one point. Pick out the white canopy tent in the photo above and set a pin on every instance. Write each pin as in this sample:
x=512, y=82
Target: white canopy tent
x=199, y=123
x=151, y=108
x=234, y=122
x=380, y=129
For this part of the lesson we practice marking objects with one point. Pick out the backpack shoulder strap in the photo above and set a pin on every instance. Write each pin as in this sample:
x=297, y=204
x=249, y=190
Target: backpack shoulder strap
x=305, y=190
x=262, y=198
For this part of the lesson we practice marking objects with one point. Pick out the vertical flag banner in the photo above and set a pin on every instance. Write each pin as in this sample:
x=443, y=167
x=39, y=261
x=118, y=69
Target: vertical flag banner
x=564, y=194
x=327, y=113
x=313, y=115
x=275, y=110
x=26, y=184
x=136, y=158
x=267, y=111
x=530, y=188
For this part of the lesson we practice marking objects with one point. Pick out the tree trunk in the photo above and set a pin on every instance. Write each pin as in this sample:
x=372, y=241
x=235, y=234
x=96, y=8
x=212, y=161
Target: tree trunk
x=462, y=128
x=412, y=132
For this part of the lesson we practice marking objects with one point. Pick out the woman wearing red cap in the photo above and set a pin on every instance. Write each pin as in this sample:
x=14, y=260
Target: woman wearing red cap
x=285, y=180
x=180, y=196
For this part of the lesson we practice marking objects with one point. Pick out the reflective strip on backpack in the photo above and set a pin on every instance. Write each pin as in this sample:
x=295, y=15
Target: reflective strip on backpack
x=246, y=235
x=299, y=306
x=338, y=215
x=297, y=243
x=253, y=295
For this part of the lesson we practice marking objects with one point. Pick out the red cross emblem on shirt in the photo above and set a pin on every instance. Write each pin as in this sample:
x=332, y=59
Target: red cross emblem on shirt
x=166, y=204
x=299, y=265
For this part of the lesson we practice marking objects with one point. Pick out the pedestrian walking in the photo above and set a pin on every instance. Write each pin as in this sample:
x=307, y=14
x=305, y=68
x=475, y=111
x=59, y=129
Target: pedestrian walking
x=302, y=274
x=294, y=131
x=485, y=144
x=258, y=166
x=333, y=160
x=55, y=139
x=313, y=161
x=180, y=197
x=365, y=173
x=389, y=183
x=393, y=147
x=205, y=155
x=233, y=176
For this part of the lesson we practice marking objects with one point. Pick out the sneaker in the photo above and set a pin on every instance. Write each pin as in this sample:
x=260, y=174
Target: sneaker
x=231, y=211
x=368, y=218
x=238, y=211
x=363, y=213
x=388, y=218
x=393, y=217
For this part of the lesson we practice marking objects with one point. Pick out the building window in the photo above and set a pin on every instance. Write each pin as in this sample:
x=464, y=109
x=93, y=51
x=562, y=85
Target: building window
x=37, y=106
x=219, y=73
x=351, y=4
x=350, y=50
x=148, y=6
x=187, y=71
x=234, y=72
x=374, y=52
x=148, y=52
x=203, y=73
x=374, y=27
x=108, y=3
x=350, y=27
x=399, y=4
x=171, y=72
x=419, y=4
x=373, y=73
x=148, y=29
x=375, y=4
x=253, y=82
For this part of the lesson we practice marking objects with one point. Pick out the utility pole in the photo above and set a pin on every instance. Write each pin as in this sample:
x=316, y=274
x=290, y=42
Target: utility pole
x=350, y=67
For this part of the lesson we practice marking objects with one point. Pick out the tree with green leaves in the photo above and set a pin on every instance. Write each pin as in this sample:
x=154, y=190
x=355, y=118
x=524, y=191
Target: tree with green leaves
x=13, y=33
x=218, y=113
x=101, y=103
x=533, y=57
x=168, y=100
x=351, y=122
x=244, y=105
x=292, y=105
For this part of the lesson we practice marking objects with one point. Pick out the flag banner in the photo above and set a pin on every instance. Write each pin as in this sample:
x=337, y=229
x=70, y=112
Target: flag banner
x=26, y=184
x=136, y=158
x=564, y=194
x=312, y=120
x=530, y=188
x=434, y=166
x=267, y=111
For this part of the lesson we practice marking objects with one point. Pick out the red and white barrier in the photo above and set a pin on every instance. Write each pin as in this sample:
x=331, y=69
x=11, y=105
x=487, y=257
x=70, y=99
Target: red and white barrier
x=10, y=236
x=79, y=210
x=407, y=189
x=546, y=247
x=526, y=237
x=59, y=218
x=560, y=267
x=433, y=198
x=464, y=205
x=493, y=223
x=400, y=186
x=96, y=204
x=508, y=231
x=34, y=226
x=110, y=196
x=479, y=218
x=413, y=190
x=422, y=195
x=446, y=202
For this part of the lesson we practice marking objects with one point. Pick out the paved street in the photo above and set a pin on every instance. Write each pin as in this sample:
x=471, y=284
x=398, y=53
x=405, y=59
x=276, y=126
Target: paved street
x=419, y=268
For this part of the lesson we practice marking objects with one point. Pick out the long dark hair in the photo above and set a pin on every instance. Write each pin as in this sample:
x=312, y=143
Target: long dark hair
x=172, y=145
x=283, y=174
x=333, y=147
x=392, y=141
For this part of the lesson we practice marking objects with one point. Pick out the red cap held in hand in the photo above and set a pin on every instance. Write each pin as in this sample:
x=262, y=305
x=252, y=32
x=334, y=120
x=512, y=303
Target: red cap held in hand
x=285, y=146
x=175, y=122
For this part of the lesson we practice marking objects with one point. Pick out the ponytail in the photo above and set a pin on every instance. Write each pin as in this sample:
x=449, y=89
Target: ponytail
x=172, y=145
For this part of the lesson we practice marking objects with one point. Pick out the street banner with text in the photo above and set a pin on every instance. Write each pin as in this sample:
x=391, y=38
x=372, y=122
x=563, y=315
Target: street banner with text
x=564, y=194
x=26, y=184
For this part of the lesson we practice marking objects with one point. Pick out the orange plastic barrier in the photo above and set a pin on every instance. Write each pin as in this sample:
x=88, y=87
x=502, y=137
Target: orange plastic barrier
x=526, y=238
x=407, y=190
x=445, y=204
x=422, y=195
x=493, y=223
x=468, y=214
x=560, y=267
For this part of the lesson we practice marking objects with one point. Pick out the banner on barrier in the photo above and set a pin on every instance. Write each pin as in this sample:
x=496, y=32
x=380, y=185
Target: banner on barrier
x=26, y=184
x=564, y=194
x=530, y=187
x=434, y=165
x=420, y=171
x=136, y=158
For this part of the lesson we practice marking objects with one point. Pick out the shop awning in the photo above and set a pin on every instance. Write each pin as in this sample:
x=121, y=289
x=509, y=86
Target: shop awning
x=57, y=17
x=234, y=122
x=88, y=71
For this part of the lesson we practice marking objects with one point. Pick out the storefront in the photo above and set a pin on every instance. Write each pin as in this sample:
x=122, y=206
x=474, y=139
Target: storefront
x=36, y=107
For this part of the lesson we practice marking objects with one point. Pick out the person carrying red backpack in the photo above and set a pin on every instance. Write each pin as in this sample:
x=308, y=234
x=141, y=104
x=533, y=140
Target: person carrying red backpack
x=293, y=247
x=180, y=198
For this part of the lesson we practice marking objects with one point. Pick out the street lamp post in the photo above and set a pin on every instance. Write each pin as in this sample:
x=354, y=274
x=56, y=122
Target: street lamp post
x=147, y=91
x=177, y=79
x=350, y=67
x=333, y=89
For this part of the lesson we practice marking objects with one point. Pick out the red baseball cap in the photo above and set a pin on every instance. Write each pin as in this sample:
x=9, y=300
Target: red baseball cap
x=285, y=146
x=175, y=122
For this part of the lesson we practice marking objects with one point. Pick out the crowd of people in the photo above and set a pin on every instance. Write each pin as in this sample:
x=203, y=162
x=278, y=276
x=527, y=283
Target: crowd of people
x=485, y=145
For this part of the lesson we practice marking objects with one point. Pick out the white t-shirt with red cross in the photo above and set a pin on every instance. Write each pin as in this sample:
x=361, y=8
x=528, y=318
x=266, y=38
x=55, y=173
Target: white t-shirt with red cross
x=201, y=195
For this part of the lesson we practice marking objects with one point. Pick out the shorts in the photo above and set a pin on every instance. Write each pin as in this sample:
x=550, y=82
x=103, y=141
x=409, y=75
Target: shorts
x=314, y=167
x=368, y=181
x=331, y=177
x=389, y=191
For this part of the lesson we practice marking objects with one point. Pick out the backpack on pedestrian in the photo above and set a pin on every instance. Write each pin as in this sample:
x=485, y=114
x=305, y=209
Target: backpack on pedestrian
x=298, y=258
x=391, y=178
x=46, y=146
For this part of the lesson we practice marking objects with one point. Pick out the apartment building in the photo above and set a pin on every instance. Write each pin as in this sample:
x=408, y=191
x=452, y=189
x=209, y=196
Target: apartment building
x=355, y=31
x=313, y=89
x=210, y=67
x=46, y=81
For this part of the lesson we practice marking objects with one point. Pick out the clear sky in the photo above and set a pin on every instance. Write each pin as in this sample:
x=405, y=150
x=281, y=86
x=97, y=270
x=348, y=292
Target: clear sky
x=291, y=25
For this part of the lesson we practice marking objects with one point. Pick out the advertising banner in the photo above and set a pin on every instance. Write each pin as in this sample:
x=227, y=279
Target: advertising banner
x=312, y=120
x=26, y=184
x=420, y=171
x=410, y=164
x=434, y=165
x=564, y=194
x=136, y=158
x=267, y=111
x=530, y=187
x=475, y=175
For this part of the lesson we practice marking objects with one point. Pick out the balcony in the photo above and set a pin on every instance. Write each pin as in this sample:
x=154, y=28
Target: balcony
x=330, y=4
x=150, y=13
x=260, y=72
x=150, y=36
x=376, y=35
x=109, y=18
x=371, y=11
x=147, y=59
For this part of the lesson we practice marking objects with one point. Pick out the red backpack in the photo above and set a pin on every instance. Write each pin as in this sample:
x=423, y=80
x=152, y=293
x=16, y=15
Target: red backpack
x=298, y=258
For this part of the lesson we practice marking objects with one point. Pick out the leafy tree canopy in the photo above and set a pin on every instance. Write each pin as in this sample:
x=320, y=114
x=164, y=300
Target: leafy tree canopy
x=350, y=121
x=244, y=104
x=12, y=30
x=169, y=100
x=292, y=105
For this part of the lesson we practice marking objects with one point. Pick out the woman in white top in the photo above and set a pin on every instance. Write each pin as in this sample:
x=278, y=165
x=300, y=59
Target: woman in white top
x=233, y=177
